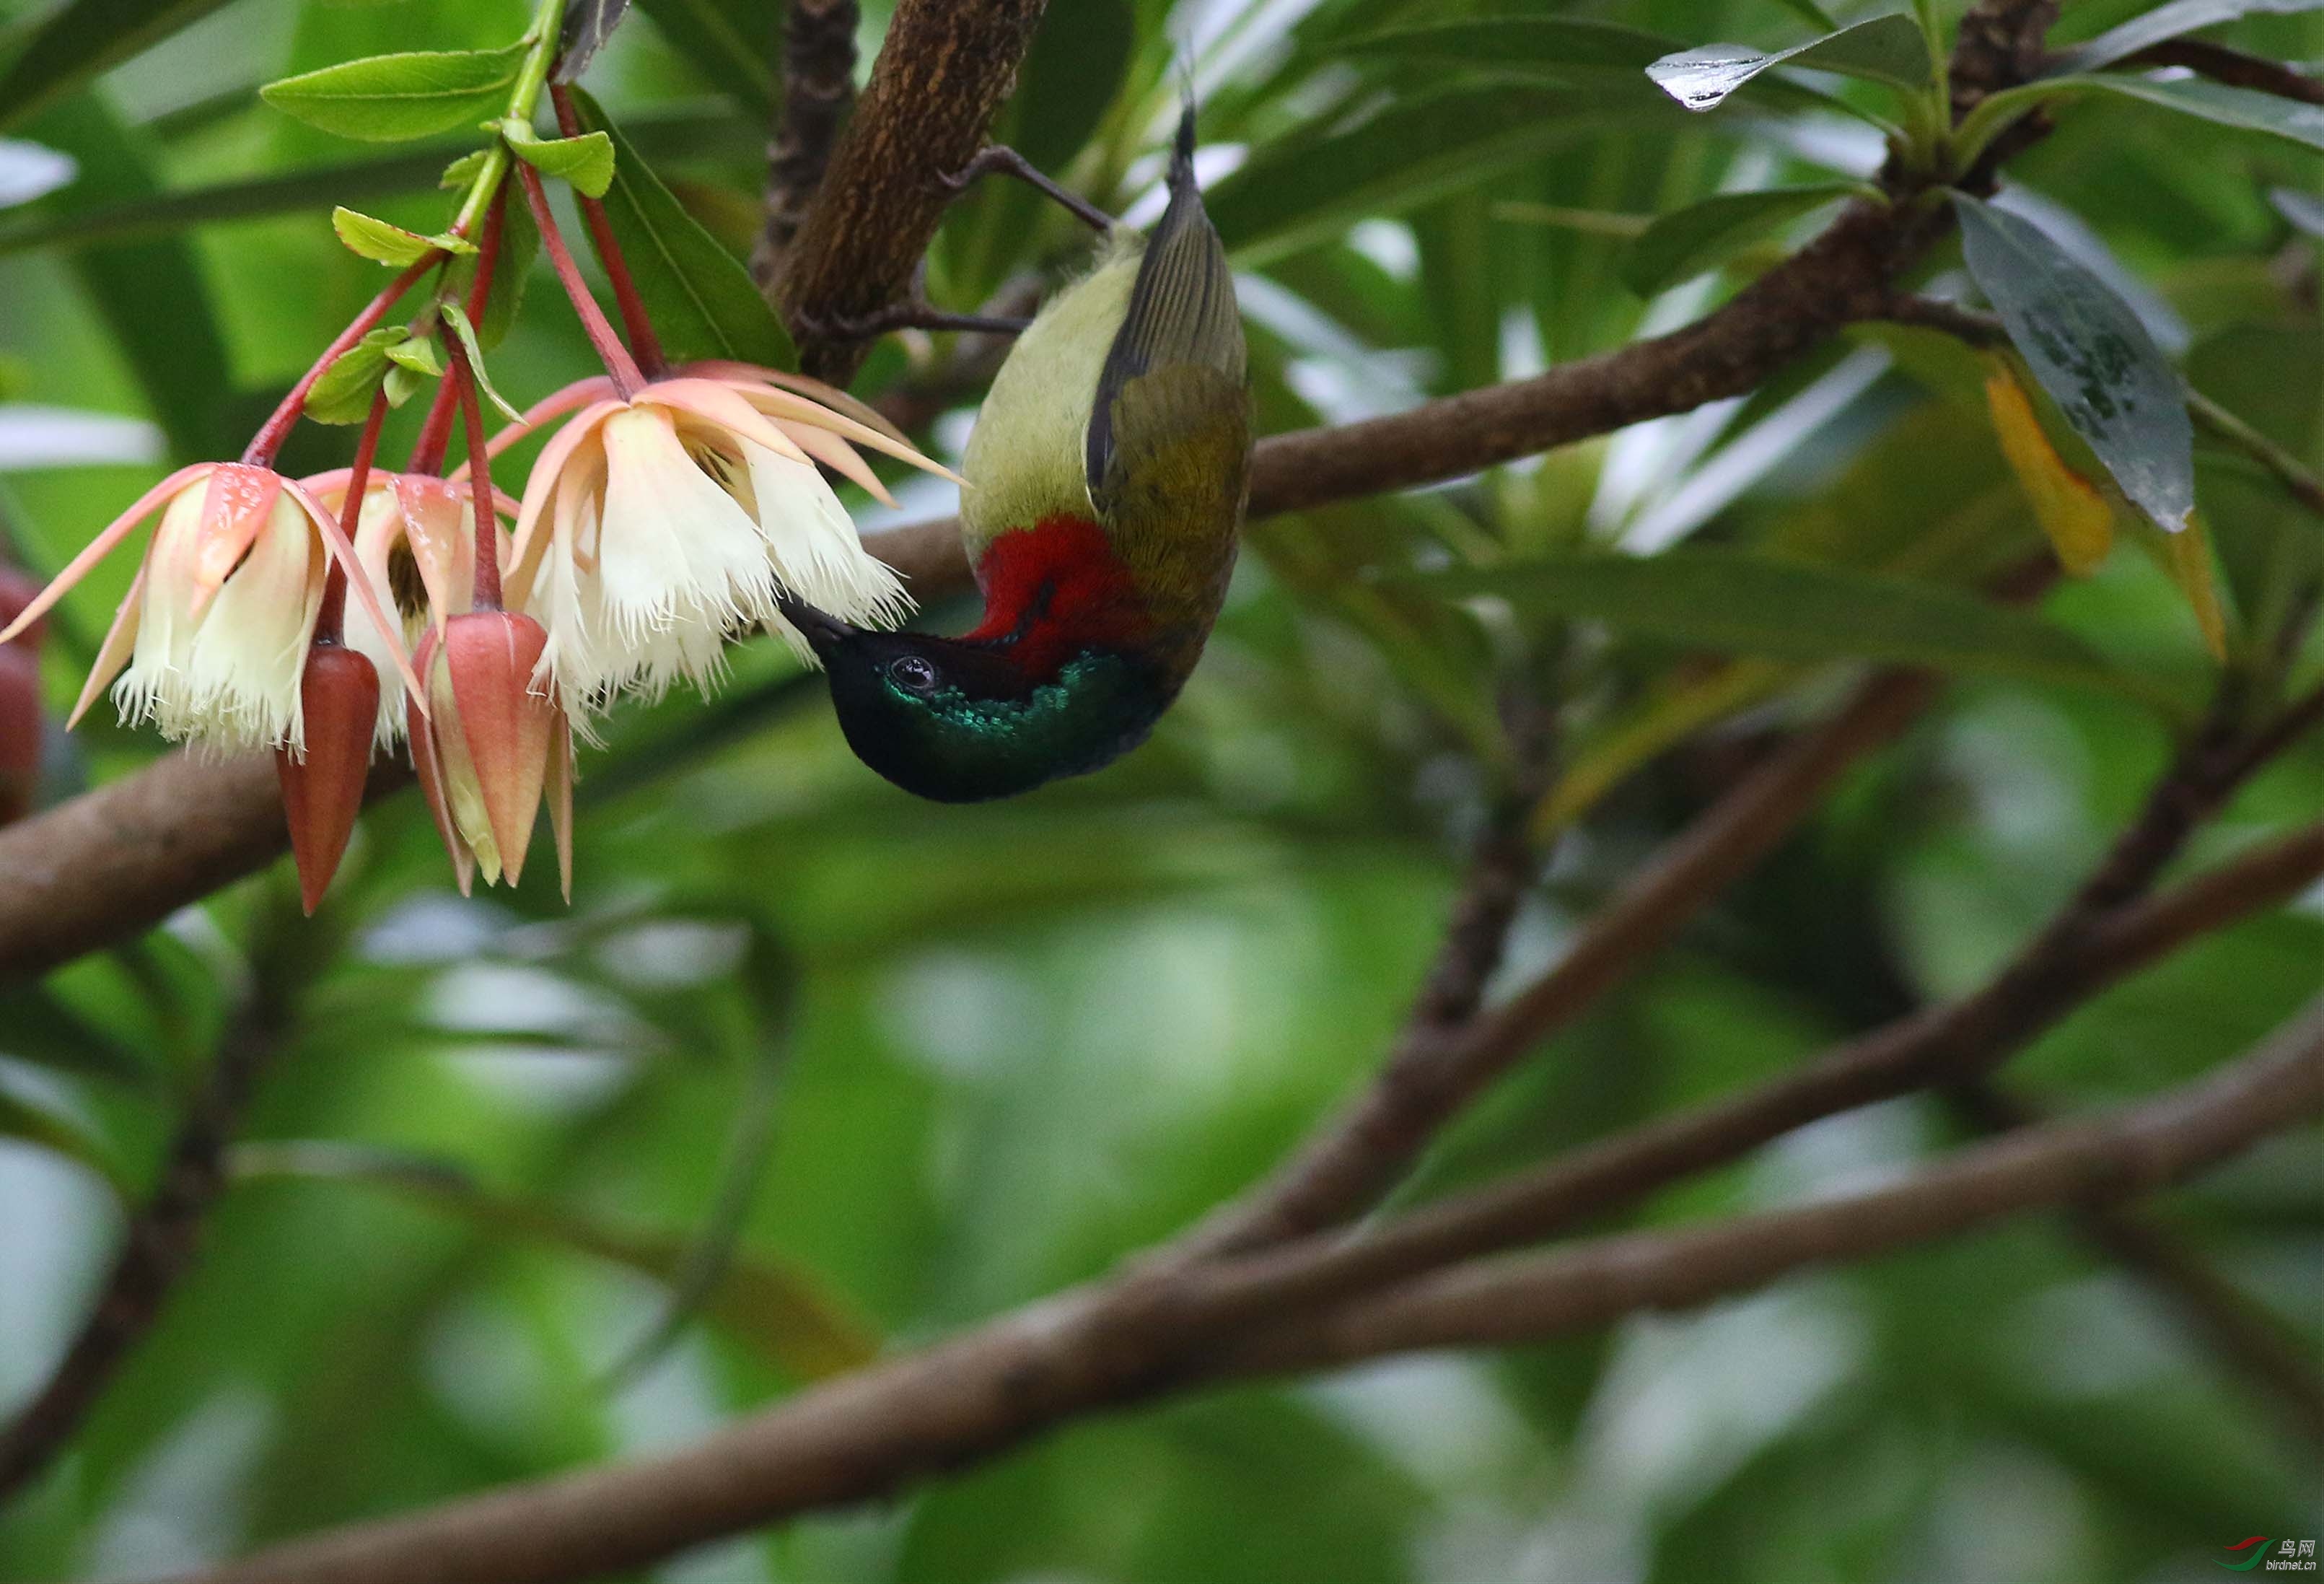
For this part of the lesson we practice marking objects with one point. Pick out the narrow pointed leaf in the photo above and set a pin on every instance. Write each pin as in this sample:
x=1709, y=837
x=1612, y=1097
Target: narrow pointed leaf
x=728, y=41
x=690, y=133
x=2188, y=556
x=1305, y=189
x=2169, y=22
x=2246, y=109
x=1511, y=41
x=700, y=298
x=2073, y=513
x=759, y=1298
x=386, y=98
x=588, y=23
x=458, y=317
x=1885, y=48
x=1703, y=236
x=2090, y=353
x=1738, y=603
x=78, y=40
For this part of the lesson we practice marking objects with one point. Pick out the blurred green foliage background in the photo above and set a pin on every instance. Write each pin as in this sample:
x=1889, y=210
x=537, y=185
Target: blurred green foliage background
x=810, y=1070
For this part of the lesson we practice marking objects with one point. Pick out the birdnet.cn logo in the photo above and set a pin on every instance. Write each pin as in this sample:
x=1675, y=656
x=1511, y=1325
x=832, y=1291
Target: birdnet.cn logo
x=2283, y=1556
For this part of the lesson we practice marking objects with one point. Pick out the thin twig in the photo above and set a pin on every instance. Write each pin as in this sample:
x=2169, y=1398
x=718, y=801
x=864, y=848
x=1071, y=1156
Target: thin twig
x=2232, y=67
x=159, y=1243
x=2106, y=1158
x=1361, y=1152
x=2217, y=1314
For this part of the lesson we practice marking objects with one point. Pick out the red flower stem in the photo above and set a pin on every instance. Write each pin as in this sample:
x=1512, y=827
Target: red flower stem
x=331, y=622
x=627, y=379
x=436, y=430
x=269, y=439
x=639, y=328
x=487, y=586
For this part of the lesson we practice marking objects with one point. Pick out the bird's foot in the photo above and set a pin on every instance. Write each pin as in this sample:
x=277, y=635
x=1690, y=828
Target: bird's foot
x=912, y=314
x=999, y=159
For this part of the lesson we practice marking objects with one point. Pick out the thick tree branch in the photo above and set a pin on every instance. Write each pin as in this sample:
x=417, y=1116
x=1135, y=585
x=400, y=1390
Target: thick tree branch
x=943, y=68
x=1159, y=1324
x=2038, y=987
x=2098, y=1161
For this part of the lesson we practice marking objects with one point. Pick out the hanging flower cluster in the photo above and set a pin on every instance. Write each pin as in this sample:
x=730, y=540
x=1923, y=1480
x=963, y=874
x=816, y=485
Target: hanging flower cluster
x=363, y=611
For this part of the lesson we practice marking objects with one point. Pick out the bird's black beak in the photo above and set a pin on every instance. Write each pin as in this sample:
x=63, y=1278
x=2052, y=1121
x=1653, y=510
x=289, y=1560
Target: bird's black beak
x=824, y=632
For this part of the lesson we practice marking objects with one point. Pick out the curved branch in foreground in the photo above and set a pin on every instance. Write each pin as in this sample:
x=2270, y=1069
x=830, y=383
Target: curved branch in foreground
x=2107, y=1158
x=1092, y=1348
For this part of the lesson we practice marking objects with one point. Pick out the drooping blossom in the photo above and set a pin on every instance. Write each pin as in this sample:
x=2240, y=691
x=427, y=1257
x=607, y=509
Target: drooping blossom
x=493, y=742
x=654, y=529
x=211, y=641
x=415, y=540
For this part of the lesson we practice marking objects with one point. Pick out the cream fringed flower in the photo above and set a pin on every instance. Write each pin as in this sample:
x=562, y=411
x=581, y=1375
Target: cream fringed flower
x=654, y=529
x=415, y=540
x=211, y=641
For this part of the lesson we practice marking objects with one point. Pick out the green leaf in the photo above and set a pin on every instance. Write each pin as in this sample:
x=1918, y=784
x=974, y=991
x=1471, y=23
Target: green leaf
x=2091, y=354
x=464, y=169
x=402, y=382
x=38, y=1026
x=391, y=245
x=385, y=98
x=690, y=132
x=1738, y=603
x=152, y=294
x=764, y=1301
x=729, y=42
x=1500, y=42
x=37, y=1115
x=343, y=394
x=1303, y=191
x=588, y=23
x=585, y=161
x=416, y=355
x=82, y=39
x=1887, y=49
x=1703, y=235
x=2167, y=22
x=2246, y=109
x=458, y=317
x=702, y=301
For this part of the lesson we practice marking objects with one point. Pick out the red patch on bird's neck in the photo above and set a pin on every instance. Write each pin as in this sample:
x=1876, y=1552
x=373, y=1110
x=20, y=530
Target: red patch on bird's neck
x=1054, y=589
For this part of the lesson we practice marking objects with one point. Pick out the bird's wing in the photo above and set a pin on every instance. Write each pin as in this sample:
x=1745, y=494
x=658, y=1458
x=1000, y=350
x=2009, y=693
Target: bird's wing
x=1181, y=310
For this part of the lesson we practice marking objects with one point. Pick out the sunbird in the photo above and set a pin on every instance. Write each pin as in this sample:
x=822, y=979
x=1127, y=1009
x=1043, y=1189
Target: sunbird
x=1106, y=477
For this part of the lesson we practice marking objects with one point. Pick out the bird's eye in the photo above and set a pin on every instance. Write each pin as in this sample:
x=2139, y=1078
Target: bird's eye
x=913, y=673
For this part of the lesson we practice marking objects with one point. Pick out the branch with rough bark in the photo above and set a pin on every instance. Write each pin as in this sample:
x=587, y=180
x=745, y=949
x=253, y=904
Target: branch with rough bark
x=943, y=68
x=1165, y=1325
x=2084, y=1162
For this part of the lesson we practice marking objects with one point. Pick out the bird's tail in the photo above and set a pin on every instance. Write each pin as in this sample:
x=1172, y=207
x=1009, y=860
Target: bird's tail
x=1182, y=149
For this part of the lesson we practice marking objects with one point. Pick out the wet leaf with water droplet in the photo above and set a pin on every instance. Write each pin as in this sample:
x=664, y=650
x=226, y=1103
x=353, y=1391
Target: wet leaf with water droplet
x=2090, y=353
x=1885, y=48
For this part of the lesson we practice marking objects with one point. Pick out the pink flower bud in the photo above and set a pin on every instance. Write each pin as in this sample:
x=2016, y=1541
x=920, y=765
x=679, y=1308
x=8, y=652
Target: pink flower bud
x=323, y=791
x=484, y=753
